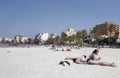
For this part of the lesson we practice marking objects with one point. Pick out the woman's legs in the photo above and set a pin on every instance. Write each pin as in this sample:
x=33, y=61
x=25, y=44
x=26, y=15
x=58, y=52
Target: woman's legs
x=93, y=62
x=107, y=64
x=101, y=63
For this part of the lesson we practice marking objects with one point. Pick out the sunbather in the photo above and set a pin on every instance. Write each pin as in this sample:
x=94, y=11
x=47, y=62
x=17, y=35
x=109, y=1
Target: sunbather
x=93, y=59
x=78, y=60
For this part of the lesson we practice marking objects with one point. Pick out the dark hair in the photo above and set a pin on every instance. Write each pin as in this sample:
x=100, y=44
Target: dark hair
x=85, y=56
x=95, y=51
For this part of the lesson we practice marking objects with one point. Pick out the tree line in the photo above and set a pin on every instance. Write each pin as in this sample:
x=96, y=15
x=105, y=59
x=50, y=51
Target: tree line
x=82, y=38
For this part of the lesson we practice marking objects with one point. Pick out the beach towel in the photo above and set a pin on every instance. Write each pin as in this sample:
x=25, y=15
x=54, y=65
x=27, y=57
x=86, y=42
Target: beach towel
x=66, y=62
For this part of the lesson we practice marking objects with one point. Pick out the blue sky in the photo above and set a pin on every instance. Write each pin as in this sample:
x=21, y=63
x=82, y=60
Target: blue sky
x=29, y=17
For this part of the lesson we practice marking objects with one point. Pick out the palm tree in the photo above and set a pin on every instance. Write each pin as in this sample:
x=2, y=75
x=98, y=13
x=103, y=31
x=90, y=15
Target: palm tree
x=78, y=37
x=84, y=34
x=111, y=29
x=30, y=41
x=81, y=36
x=37, y=39
x=63, y=38
x=56, y=40
x=50, y=40
x=71, y=39
x=96, y=34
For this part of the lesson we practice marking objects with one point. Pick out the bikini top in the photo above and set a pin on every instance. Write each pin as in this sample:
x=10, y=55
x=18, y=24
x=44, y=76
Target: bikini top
x=90, y=58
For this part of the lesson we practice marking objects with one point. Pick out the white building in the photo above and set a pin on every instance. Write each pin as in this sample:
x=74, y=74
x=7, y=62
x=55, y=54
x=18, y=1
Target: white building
x=70, y=32
x=20, y=38
x=42, y=37
x=7, y=39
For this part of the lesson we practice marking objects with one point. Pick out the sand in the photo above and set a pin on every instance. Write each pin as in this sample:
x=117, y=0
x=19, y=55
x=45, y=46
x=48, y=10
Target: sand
x=41, y=62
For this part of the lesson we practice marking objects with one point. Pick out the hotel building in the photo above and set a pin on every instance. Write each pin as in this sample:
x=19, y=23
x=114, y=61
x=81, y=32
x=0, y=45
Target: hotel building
x=104, y=28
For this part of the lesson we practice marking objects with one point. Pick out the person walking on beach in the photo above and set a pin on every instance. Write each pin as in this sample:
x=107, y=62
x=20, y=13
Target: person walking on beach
x=93, y=59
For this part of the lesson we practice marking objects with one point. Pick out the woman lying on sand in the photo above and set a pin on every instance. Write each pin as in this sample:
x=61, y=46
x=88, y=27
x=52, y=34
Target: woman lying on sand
x=94, y=60
x=70, y=60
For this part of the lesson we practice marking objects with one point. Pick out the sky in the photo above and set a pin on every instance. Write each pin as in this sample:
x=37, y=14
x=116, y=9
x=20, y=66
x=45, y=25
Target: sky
x=30, y=17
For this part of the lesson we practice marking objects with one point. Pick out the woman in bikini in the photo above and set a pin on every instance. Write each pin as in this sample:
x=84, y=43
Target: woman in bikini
x=94, y=60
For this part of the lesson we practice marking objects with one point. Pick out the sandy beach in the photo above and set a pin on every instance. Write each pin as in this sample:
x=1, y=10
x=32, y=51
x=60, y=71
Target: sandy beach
x=41, y=62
